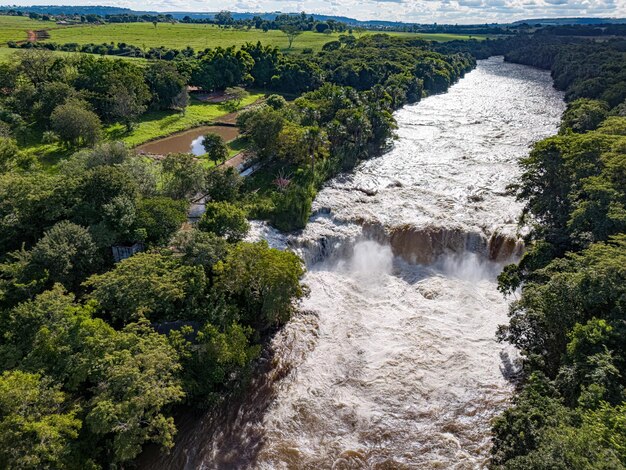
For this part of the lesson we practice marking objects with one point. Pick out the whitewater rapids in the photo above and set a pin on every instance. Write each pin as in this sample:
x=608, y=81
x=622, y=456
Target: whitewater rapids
x=393, y=362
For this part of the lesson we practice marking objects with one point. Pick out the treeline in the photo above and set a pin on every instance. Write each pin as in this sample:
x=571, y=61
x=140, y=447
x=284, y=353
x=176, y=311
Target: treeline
x=301, y=22
x=347, y=119
x=120, y=49
x=568, y=317
x=584, y=30
x=95, y=355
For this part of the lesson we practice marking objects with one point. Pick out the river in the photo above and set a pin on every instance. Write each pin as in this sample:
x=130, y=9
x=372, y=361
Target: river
x=393, y=362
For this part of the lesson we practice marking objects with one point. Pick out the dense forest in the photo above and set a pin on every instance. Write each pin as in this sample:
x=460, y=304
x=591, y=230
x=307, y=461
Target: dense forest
x=568, y=313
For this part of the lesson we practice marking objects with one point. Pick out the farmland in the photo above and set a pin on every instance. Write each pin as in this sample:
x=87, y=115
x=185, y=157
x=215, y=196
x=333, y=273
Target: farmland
x=179, y=35
x=15, y=28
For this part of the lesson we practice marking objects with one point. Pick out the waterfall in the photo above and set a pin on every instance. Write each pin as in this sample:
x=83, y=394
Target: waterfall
x=393, y=362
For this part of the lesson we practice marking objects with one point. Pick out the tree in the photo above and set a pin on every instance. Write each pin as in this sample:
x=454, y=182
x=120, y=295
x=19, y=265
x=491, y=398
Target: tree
x=276, y=102
x=148, y=285
x=10, y=156
x=321, y=27
x=167, y=85
x=182, y=176
x=181, y=101
x=124, y=380
x=37, y=422
x=66, y=253
x=292, y=32
x=223, y=184
x=224, y=17
x=331, y=46
x=135, y=382
x=215, y=360
x=125, y=106
x=101, y=193
x=263, y=282
x=235, y=96
x=584, y=115
x=225, y=220
x=263, y=126
x=161, y=217
x=116, y=89
x=201, y=248
x=49, y=96
x=40, y=66
x=75, y=125
x=215, y=147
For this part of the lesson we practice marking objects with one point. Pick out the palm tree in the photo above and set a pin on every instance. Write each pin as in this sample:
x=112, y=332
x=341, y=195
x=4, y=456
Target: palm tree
x=313, y=139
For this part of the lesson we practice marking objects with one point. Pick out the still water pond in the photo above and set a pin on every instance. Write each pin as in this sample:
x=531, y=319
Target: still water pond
x=189, y=141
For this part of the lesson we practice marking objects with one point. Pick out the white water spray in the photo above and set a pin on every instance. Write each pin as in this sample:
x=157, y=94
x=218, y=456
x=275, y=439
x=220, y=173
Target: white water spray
x=393, y=363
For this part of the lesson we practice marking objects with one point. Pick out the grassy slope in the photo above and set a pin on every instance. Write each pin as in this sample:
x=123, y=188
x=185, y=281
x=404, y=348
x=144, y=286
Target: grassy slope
x=200, y=36
x=162, y=123
x=15, y=28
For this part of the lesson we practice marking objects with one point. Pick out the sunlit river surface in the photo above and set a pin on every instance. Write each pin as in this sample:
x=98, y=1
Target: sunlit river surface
x=393, y=363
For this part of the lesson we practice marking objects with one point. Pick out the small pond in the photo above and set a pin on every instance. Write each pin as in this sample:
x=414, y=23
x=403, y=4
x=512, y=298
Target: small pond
x=189, y=141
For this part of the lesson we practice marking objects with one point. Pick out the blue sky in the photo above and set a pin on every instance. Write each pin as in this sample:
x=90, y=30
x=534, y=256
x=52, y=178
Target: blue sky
x=421, y=11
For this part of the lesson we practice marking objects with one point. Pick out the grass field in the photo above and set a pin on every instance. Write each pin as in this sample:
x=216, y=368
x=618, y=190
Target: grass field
x=201, y=36
x=15, y=28
x=177, y=35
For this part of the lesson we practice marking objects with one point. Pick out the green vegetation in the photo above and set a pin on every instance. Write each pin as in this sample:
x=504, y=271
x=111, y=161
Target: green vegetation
x=15, y=28
x=155, y=124
x=332, y=128
x=568, y=322
x=205, y=36
x=114, y=311
x=95, y=354
x=181, y=35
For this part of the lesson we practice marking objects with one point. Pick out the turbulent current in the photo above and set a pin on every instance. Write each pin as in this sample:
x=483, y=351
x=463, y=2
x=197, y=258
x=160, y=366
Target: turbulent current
x=393, y=362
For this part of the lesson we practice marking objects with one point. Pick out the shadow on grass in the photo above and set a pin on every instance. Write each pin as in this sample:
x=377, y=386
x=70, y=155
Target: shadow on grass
x=167, y=121
x=239, y=144
x=117, y=133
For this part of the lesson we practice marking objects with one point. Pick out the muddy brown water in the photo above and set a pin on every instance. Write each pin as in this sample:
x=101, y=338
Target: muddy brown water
x=189, y=141
x=393, y=362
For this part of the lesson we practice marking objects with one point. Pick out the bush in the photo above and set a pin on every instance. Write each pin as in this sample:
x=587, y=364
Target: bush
x=293, y=208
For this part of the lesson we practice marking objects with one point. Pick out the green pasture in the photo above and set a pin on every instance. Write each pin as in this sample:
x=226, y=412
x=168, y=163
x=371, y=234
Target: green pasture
x=15, y=28
x=178, y=35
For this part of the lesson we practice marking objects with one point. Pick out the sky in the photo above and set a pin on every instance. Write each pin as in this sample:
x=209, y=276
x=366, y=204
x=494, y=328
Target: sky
x=418, y=11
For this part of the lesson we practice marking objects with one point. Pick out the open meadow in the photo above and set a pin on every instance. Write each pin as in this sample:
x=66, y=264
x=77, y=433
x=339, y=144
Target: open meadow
x=15, y=28
x=178, y=35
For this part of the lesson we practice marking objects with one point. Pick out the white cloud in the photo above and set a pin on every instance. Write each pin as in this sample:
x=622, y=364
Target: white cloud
x=423, y=11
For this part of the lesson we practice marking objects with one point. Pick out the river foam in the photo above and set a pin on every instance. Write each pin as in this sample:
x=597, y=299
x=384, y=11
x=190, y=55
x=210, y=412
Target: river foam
x=393, y=362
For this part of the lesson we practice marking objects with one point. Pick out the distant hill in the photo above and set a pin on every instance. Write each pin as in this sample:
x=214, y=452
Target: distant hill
x=571, y=21
x=107, y=10
x=79, y=10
